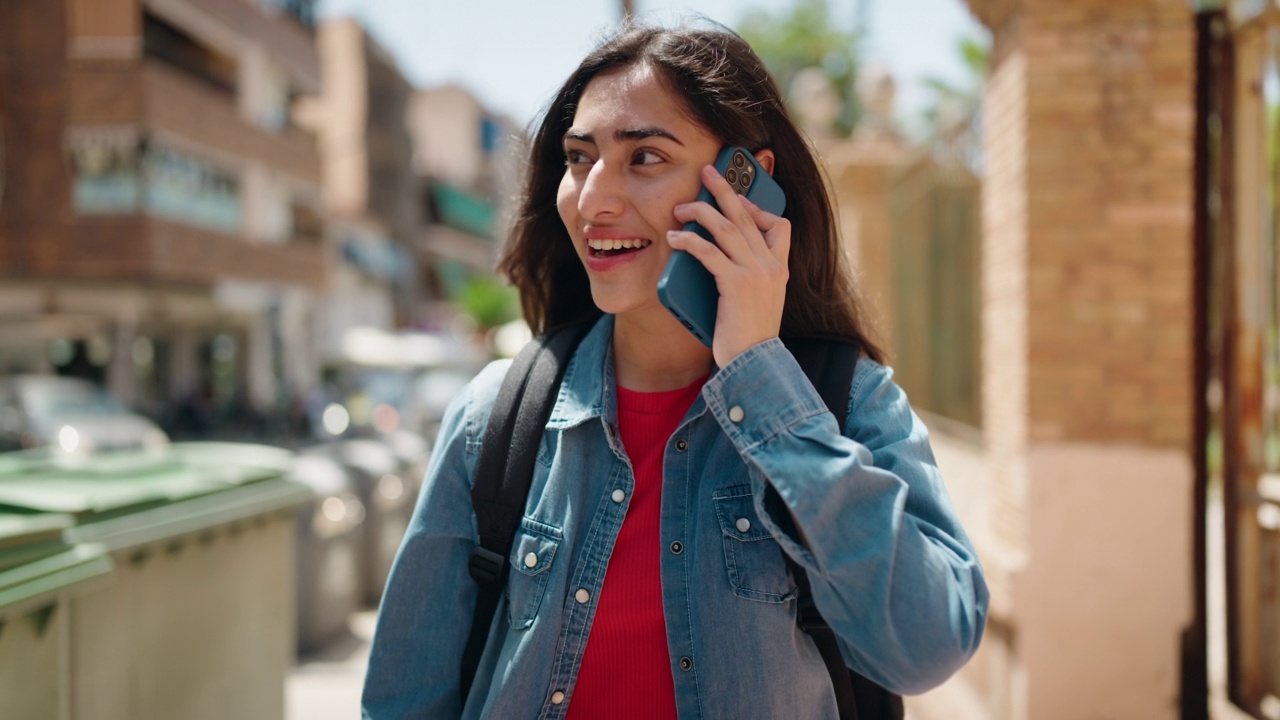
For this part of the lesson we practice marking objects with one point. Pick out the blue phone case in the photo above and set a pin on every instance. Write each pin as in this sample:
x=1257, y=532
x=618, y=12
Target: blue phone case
x=686, y=288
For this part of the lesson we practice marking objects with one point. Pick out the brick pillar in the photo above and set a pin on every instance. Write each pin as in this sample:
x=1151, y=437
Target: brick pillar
x=1088, y=354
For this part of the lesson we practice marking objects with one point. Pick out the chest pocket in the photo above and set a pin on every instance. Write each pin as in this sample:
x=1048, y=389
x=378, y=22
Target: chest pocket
x=757, y=570
x=533, y=551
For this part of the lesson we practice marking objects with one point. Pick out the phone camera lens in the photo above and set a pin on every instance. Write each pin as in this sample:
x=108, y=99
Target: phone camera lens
x=739, y=160
x=746, y=178
x=732, y=176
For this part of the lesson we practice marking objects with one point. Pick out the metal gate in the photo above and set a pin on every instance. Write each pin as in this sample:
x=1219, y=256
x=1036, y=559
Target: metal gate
x=1238, y=337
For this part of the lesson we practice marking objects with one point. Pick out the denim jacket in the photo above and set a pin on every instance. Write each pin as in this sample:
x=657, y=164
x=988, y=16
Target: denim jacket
x=869, y=519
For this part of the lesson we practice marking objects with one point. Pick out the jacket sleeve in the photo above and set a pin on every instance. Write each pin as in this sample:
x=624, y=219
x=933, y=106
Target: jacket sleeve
x=868, y=516
x=426, y=610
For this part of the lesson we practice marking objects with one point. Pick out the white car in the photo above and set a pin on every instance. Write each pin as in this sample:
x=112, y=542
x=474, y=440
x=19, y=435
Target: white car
x=70, y=415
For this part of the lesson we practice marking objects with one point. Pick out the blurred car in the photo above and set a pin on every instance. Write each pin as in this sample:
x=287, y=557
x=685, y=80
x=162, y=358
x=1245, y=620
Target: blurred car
x=69, y=415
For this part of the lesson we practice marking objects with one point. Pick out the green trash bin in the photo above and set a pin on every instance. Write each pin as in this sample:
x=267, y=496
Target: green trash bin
x=197, y=620
x=39, y=573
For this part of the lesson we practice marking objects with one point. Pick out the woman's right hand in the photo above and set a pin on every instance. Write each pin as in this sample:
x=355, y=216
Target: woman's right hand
x=748, y=260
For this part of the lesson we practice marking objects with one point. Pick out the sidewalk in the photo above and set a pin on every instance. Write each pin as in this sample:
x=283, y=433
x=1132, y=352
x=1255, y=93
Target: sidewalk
x=326, y=686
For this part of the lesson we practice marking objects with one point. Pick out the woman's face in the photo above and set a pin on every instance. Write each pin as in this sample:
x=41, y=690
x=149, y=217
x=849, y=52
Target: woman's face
x=631, y=156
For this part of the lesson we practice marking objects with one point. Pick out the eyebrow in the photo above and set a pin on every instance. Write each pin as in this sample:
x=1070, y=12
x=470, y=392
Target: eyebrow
x=624, y=135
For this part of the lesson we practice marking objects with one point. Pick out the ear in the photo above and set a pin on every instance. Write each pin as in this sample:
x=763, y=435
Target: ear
x=765, y=158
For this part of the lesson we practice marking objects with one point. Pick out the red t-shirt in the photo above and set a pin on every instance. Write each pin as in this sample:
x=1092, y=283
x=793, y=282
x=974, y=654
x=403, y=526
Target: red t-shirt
x=626, y=670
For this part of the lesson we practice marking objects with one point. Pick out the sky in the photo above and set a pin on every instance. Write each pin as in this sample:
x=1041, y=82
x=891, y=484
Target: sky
x=513, y=54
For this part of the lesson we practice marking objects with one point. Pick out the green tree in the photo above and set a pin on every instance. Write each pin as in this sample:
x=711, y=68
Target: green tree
x=955, y=103
x=489, y=301
x=806, y=35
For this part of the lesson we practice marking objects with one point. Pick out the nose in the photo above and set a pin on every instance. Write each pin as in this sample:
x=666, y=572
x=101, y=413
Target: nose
x=601, y=195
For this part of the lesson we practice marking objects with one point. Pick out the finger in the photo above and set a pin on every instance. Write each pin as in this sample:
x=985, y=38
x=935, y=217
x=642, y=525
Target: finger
x=726, y=197
x=778, y=238
x=727, y=234
x=771, y=226
x=708, y=253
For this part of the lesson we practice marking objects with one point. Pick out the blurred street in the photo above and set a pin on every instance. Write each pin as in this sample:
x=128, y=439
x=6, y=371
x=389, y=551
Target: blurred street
x=326, y=685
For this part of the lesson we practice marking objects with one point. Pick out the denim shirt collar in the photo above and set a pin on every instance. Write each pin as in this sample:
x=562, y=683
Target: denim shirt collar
x=587, y=390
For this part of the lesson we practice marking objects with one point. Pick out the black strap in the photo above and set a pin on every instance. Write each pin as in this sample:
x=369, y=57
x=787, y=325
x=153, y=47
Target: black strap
x=830, y=365
x=501, y=487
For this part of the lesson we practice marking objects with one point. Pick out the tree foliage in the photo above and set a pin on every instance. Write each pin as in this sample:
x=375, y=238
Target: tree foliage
x=955, y=102
x=806, y=35
x=489, y=302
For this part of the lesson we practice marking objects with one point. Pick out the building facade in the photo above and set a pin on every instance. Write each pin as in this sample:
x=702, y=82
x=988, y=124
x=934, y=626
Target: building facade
x=162, y=228
x=371, y=193
x=469, y=159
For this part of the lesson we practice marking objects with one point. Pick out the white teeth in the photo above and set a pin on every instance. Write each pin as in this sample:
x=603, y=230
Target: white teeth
x=617, y=244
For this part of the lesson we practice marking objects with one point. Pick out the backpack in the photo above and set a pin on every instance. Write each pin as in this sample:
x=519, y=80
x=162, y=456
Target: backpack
x=501, y=489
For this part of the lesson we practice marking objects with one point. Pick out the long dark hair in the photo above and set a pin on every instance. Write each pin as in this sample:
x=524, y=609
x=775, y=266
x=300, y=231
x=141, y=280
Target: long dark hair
x=727, y=90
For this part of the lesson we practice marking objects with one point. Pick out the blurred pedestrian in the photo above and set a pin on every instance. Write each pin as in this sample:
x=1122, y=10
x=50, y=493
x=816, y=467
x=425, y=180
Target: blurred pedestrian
x=649, y=577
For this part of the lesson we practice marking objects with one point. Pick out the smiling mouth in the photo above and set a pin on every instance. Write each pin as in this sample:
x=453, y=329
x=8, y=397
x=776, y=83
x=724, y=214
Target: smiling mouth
x=612, y=248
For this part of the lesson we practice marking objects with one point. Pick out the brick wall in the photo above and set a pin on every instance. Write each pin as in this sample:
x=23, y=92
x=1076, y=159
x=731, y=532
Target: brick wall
x=1089, y=137
x=1109, y=163
x=36, y=205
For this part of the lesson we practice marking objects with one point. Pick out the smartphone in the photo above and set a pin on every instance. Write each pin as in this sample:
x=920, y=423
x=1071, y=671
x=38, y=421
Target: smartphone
x=686, y=288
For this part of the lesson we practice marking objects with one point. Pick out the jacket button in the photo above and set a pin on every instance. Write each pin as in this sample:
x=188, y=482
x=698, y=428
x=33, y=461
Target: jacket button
x=686, y=664
x=736, y=413
x=557, y=697
x=743, y=525
x=677, y=547
x=582, y=596
x=618, y=496
x=682, y=445
x=531, y=560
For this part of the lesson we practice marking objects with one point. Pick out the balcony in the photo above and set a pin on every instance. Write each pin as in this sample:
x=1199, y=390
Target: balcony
x=159, y=100
x=284, y=34
x=138, y=248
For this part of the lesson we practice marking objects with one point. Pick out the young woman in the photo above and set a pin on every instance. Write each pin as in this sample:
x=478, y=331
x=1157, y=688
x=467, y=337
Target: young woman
x=649, y=577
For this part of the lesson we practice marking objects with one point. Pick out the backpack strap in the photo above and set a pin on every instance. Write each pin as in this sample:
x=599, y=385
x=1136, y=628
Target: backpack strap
x=501, y=488
x=830, y=365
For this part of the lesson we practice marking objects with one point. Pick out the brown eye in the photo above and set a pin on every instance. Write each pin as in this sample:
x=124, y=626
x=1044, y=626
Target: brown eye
x=646, y=157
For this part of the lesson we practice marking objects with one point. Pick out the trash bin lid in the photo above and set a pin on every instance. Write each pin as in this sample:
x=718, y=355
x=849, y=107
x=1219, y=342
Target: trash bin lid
x=96, y=491
x=127, y=498
x=25, y=537
x=161, y=522
x=257, y=461
x=29, y=586
x=108, y=483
